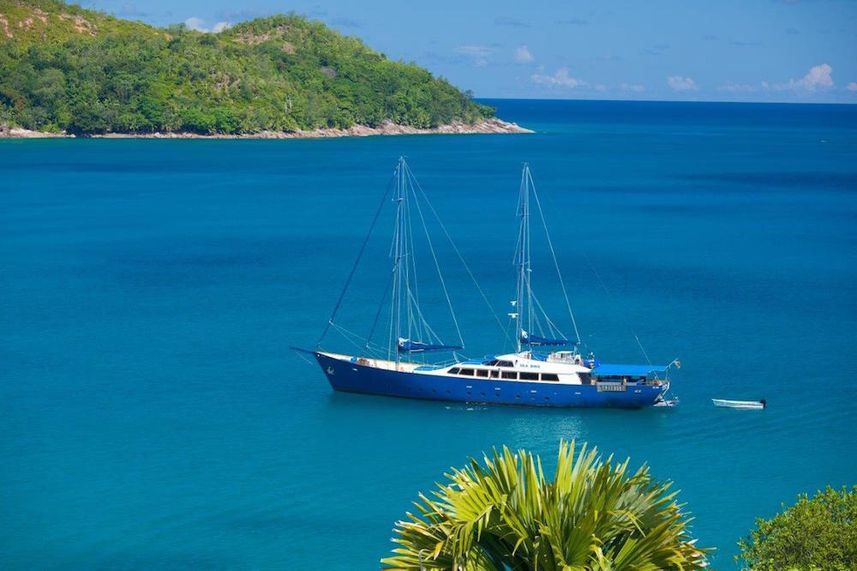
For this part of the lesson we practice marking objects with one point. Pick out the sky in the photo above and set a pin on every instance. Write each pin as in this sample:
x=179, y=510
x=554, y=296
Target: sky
x=715, y=50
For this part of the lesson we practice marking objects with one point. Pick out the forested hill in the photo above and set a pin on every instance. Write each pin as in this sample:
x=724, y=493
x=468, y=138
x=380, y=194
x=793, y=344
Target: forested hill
x=63, y=68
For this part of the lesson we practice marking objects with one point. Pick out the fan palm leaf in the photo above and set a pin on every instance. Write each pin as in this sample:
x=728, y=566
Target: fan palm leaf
x=503, y=513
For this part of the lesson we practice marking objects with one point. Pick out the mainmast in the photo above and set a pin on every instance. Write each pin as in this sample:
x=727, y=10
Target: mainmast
x=523, y=299
x=535, y=327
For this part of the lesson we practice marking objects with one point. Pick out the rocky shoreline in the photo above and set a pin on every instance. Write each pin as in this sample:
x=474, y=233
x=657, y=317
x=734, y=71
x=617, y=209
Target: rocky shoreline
x=488, y=126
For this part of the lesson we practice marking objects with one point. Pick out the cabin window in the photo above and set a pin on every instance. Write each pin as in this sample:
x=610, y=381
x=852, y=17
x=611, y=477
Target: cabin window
x=504, y=363
x=454, y=370
x=510, y=375
x=525, y=376
x=550, y=377
x=468, y=372
x=482, y=373
x=585, y=378
x=495, y=373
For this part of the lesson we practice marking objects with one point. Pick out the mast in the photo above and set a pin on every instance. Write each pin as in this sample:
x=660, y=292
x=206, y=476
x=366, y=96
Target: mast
x=399, y=253
x=415, y=336
x=535, y=328
x=523, y=299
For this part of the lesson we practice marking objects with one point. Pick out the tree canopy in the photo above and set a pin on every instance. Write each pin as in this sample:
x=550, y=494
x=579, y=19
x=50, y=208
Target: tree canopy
x=817, y=533
x=66, y=68
x=504, y=514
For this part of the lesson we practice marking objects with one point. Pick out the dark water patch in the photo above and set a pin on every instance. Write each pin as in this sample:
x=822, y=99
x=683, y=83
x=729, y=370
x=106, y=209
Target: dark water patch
x=276, y=523
x=167, y=559
x=826, y=180
x=754, y=212
x=753, y=290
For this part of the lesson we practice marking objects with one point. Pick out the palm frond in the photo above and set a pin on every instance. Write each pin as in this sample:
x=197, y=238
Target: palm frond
x=503, y=513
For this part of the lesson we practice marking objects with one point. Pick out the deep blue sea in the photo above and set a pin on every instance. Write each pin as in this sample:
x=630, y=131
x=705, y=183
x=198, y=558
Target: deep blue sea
x=152, y=415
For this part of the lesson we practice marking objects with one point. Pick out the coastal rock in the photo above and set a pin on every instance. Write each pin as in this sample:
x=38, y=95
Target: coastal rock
x=486, y=126
x=17, y=133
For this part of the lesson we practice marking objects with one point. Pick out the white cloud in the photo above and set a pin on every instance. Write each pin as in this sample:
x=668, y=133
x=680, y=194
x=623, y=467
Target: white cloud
x=633, y=87
x=523, y=55
x=851, y=86
x=198, y=25
x=679, y=83
x=478, y=55
x=819, y=77
x=195, y=23
x=559, y=79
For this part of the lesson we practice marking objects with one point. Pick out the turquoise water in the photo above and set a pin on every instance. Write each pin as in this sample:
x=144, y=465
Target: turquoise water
x=152, y=415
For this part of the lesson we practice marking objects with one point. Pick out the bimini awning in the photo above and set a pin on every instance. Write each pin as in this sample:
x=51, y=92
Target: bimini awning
x=605, y=370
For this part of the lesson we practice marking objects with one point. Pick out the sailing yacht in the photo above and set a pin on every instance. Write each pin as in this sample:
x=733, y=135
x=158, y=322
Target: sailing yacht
x=545, y=369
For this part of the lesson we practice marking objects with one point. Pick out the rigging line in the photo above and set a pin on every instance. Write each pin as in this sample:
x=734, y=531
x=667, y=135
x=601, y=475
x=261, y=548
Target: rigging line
x=646, y=355
x=437, y=265
x=415, y=292
x=348, y=335
x=406, y=257
x=408, y=260
x=553, y=327
x=344, y=331
x=378, y=314
x=553, y=255
x=430, y=333
x=345, y=336
x=392, y=311
x=302, y=356
x=610, y=294
x=508, y=326
x=356, y=263
x=463, y=263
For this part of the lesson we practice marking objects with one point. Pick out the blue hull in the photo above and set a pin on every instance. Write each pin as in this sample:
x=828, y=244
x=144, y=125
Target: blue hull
x=354, y=378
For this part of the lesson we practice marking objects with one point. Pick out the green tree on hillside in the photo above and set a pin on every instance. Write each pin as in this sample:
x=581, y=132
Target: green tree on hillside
x=66, y=68
x=813, y=534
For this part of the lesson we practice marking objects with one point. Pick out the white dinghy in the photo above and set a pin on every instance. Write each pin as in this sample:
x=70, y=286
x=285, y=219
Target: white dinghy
x=741, y=404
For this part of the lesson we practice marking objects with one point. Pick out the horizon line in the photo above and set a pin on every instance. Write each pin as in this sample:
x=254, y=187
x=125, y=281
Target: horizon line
x=586, y=99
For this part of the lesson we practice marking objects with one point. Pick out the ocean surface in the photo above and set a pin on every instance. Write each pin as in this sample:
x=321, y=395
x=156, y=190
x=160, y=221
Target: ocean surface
x=152, y=415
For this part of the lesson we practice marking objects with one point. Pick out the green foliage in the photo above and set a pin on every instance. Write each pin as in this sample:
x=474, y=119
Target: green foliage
x=504, y=514
x=66, y=68
x=817, y=533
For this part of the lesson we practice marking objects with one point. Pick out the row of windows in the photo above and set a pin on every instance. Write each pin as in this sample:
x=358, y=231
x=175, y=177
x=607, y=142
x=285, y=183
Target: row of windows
x=499, y=363
x=509, y=375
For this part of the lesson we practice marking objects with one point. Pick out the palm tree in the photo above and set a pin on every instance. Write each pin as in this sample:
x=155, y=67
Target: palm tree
x=593, y=515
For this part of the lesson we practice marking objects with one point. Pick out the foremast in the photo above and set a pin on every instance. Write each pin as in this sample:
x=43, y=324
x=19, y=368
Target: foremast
x=409, y=331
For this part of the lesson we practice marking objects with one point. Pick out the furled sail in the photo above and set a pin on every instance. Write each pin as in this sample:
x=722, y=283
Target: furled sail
x=408, y=346
x=527, y=339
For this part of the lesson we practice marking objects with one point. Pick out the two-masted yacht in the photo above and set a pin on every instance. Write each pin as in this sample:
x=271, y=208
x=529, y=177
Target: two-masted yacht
x=546, y=367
